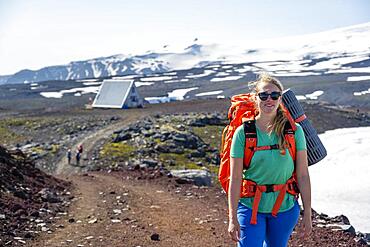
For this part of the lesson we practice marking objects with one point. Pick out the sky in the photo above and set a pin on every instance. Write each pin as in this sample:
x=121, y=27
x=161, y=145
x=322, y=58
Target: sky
x=39, y=33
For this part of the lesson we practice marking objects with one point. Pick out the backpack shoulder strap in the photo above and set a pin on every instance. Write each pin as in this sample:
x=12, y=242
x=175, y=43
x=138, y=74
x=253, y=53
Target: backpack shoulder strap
x=250, y=134
x=289, y=136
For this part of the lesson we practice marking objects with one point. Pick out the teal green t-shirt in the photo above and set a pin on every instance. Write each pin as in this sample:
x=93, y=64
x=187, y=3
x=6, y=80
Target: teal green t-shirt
x=267, y=166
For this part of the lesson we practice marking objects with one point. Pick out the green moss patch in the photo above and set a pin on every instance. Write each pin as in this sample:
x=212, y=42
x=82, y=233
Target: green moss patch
x=31, y=123
x=9, y=137
x=210, y=134
x=117, y=150
x=180, y=161
x=213, y=169
x=38, y=150
x=10, y=128
x=54, y=148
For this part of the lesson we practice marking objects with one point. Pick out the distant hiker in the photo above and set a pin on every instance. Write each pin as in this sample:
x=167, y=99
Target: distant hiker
x=69, y=156
x=79, y=151
x=80, y=148
x=78, y=157
x=265, y=179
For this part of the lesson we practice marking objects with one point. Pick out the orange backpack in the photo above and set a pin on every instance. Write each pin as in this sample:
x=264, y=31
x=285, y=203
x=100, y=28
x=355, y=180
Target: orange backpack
x=243, y=111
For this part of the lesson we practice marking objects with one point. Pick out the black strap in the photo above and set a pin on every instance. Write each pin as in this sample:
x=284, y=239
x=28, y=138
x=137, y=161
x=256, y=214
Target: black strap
x=275, y=146
x=288, y=129
x=271, y=147
x=250, y=130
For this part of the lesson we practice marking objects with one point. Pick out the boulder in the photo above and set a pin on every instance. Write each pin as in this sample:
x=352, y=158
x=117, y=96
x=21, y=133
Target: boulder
x=122, y=137
x=206, y=120
x=198, y=154
x=49, y=196
x=197, y=177
x=187, y=140
x=150, y=163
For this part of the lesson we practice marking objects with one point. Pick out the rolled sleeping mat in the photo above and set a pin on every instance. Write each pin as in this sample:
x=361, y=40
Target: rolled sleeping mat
x=315, y=149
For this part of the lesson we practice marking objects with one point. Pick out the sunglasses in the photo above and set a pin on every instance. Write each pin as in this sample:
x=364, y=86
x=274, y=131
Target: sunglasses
x=264, y=95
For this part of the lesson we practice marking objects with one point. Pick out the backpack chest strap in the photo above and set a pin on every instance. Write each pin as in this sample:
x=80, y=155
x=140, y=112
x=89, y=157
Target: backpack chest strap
x=268, y=147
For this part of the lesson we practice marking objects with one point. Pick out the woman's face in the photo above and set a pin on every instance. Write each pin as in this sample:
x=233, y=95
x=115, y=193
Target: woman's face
x=269, y=105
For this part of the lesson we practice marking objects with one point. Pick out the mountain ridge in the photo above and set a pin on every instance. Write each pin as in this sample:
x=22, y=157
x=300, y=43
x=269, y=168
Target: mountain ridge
x=348, y=42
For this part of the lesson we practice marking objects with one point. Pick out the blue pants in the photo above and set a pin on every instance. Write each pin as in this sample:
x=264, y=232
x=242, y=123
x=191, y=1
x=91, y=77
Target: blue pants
x=269, y=231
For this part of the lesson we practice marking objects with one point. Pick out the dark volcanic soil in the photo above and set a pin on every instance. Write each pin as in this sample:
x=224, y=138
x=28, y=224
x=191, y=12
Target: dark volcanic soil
x=28, y=197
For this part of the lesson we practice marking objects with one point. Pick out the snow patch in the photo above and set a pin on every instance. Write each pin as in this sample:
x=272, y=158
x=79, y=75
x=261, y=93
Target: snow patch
x=205, y=73
x=79, y=91
x=295, y=74
x=227, y=67
x=177, y=94
x=209, y=93
x=96, y=71
x=340, y=182
x=349, y=70
x=213, y=66
x=139, y=83
x=180, y=93
x=358, y=78
x=170, y=73
x=222, y=74
x=156, y=78
x=362, y=92
x=52, y=94
x=313, y=95
x=124, y=77
x=229, y=78
x=181, y=80
x=92, y=83
x=243, y=70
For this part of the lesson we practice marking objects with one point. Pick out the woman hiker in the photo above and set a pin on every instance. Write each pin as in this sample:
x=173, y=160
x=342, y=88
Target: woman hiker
x=270, y=172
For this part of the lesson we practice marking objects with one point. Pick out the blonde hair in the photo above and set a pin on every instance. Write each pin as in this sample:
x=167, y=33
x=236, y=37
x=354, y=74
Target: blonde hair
x=280, y=119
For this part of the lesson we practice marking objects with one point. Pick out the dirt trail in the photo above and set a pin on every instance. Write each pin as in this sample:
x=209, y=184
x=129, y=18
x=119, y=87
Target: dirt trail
x=114, y=210
x=64, y=169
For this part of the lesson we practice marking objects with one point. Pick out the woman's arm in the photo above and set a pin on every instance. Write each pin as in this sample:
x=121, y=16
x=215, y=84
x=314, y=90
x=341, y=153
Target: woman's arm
x=304, y=186
x=236, y=171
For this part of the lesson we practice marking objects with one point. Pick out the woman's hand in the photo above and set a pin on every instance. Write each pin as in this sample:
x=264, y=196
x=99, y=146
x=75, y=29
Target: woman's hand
x=304, y=185
x=236, y=171
x=307, y=223
x=234, y=230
